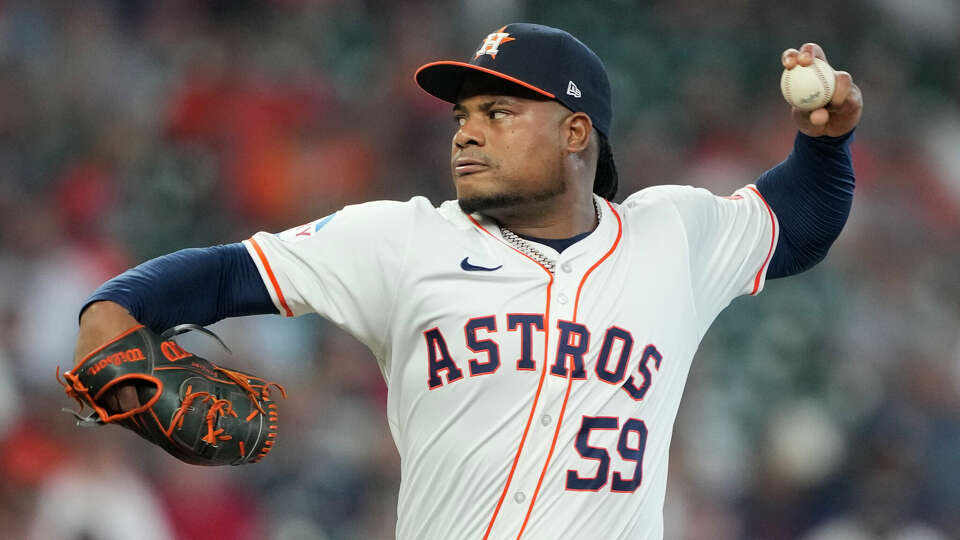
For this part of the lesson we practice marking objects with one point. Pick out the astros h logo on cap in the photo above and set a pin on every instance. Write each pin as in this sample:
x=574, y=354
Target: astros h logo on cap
x=546, y=60
x=493, y=41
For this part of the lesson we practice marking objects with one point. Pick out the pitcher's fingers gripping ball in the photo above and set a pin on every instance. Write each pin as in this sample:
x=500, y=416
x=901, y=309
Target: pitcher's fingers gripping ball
x=199, y=412
x=808, y=87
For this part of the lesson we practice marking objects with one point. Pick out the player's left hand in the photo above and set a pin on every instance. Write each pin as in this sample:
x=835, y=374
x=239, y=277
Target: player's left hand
x=842, y=114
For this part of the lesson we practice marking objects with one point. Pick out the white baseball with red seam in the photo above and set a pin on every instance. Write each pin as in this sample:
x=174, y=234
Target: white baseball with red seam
x=808, y=87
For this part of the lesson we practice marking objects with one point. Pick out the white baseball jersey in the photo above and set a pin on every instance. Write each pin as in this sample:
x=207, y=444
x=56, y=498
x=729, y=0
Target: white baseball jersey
x=525, y=403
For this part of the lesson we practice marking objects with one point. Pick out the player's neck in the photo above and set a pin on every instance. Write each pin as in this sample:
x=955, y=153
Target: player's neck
x=557, y=223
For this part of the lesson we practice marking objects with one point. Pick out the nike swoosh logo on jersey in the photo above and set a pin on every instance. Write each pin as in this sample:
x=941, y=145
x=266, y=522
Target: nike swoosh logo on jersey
x=472, y=268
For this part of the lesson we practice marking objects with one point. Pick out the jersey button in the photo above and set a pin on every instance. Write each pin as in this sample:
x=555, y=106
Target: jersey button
x=562, y=298
x=545, y=420
x=566, y=268
x=520, y=497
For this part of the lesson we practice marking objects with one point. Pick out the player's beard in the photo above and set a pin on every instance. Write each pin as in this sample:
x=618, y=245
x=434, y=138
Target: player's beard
x=511, y=202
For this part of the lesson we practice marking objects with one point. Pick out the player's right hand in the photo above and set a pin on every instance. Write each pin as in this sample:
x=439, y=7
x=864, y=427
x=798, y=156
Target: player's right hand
x=843, y=112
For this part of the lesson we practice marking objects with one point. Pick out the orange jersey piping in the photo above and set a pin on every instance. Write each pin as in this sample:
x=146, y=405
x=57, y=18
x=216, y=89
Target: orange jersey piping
x=566, y=396
x=536, y=398
x=273, y=278
x=773, y=238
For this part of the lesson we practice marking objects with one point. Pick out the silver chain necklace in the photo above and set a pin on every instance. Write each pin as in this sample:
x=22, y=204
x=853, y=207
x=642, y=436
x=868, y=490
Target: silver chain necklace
x=527, y=248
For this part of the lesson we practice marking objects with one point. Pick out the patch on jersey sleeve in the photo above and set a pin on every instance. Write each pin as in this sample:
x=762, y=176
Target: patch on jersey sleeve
x=307, y=230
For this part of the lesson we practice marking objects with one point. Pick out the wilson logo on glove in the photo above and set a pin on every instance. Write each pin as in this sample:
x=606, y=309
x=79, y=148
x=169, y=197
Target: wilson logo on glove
x=198, y=411
x=116, y=359
x=173, y=352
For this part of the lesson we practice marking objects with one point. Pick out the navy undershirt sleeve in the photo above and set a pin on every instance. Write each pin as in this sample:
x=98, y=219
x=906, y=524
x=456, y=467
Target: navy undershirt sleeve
x=197, y=285
x=811, y=193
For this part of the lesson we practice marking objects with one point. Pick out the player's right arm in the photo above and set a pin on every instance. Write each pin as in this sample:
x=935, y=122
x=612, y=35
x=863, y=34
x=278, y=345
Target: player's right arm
x=783, y=225
x=787, y=221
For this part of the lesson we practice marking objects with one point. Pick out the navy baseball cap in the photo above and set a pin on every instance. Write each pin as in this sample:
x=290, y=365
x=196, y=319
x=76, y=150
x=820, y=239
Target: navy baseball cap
x=546, y=60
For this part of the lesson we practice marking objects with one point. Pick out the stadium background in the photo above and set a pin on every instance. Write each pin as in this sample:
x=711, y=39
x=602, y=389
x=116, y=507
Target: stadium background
x=825, y=409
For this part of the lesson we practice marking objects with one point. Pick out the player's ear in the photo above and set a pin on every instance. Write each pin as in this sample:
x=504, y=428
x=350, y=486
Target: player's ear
x=577, y=129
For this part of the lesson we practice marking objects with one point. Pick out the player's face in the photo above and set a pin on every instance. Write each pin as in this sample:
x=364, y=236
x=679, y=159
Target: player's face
x=507, y=153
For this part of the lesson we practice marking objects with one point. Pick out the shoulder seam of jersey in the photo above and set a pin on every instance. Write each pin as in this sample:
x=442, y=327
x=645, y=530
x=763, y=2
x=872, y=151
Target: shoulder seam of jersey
x=396, y=290
x=693, y=295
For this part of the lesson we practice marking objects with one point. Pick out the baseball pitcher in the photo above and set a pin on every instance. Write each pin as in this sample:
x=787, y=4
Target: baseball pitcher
x=535, y=335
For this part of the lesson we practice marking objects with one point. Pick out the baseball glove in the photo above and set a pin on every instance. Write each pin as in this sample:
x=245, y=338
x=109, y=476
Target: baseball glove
x=199, y=412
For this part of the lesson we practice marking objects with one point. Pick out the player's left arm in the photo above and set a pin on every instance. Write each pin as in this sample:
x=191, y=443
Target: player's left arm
x=811, y=192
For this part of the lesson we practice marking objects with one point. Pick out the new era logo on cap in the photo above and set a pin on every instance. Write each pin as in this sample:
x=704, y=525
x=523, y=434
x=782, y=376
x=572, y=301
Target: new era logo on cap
x=573, y=90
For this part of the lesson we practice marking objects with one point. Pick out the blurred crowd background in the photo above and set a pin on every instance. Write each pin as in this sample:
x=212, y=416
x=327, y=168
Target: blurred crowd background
x=828, y=408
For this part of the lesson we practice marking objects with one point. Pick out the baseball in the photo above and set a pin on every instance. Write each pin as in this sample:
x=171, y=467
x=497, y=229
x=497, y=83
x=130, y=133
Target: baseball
x=808, y=87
